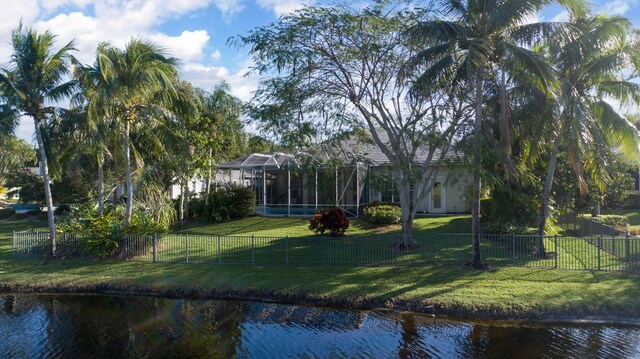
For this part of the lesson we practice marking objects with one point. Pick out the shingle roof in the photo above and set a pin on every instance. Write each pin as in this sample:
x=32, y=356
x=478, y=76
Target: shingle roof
x=349, y=150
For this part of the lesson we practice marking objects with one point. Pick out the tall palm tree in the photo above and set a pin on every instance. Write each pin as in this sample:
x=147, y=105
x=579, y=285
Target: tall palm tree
x=473, y=41
x=35, y=77
x=591, y=69
x=141, y=82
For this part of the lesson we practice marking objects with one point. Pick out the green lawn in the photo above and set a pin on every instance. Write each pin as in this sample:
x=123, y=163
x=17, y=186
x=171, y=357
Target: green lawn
x=453, y=289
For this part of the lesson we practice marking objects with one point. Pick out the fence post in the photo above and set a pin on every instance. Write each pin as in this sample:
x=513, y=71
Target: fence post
x=155, y=246
x=599, y=246
x=555, y=248
x=286, y=250
x=186, y=248
x=219, y=257
x=14, y=243
x=513, y=247
x=126, y=244
x=627, y=243
x=253, y=250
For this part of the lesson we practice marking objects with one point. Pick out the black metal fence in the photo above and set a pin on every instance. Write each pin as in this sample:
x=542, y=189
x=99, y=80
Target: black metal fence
x=602, y=253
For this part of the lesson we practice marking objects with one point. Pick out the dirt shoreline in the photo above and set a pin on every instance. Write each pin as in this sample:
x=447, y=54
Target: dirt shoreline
x=580, y=315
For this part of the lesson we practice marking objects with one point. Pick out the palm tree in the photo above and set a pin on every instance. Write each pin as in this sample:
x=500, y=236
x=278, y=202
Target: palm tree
x=140, y=82
x=591, y=69
x=469, y=42
x=35, y=77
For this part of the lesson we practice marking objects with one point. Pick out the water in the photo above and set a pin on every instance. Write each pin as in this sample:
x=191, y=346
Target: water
x=140, y=327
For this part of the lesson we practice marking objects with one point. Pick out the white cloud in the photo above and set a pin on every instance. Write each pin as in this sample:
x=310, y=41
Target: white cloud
x=207, y=77
x=229, y=8
x=216, y=55
x=189, y=46
x=618, y=7
x=281, y=7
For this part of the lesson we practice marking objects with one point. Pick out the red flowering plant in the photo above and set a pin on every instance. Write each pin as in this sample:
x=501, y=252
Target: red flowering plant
x=330, y=220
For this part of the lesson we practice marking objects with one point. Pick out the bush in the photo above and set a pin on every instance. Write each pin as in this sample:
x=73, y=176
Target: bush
x=234, y=203
x=242, y=202
x=383, y=214
x=7, y=212
x=613, y=220
x=218, y=208
x=632, y=201
x=330, y=220
x=62, y=210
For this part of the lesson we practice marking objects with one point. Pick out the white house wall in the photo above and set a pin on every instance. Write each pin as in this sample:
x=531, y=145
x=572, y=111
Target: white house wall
x=455, y=181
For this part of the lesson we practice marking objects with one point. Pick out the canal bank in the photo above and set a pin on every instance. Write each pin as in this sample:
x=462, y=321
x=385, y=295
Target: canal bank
x=505, y=293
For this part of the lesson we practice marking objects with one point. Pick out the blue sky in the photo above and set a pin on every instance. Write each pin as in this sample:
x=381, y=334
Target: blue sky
x=196, y=31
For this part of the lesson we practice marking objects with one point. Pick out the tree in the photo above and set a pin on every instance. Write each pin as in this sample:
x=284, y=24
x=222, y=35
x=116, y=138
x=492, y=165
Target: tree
x=479, y=41
x=591, y=69
x=36, y=76
x=339, y=68
x=139, y=90
x=16, y=155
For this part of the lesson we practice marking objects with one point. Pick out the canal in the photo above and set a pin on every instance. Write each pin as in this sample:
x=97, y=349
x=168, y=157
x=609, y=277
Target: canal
x=79, y=326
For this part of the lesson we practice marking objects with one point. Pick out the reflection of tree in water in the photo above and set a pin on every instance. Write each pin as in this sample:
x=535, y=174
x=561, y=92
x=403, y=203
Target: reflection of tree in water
x=318, y=318
x=81, y=326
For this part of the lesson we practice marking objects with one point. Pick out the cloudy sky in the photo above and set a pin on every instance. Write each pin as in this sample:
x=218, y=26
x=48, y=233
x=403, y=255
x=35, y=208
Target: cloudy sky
x=195, y=31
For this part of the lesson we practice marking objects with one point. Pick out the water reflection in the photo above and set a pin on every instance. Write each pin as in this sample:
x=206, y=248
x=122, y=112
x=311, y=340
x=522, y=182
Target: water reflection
x=137, y=327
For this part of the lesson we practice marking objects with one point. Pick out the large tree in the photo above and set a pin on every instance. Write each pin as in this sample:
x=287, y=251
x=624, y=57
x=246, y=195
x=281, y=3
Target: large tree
x=16, y=155
x=137, y=94
x=36, y=77
x=593, y=68
x=336, y=68
x=481, y=41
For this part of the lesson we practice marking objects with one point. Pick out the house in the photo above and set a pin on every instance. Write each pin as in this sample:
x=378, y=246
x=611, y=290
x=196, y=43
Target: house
x=347, y=174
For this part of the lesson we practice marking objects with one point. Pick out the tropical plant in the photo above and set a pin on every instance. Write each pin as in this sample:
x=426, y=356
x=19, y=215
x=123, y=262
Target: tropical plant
x=138, y=92
x=35, y=77
x=332, y=220
x=476, y=41
x=591, y=69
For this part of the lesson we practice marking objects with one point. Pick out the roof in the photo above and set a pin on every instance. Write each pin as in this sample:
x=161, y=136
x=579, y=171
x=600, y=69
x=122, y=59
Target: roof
x=350, y=150
x=270, y=160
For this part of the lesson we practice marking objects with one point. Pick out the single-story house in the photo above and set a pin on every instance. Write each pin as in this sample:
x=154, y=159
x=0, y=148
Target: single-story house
x=348, y=176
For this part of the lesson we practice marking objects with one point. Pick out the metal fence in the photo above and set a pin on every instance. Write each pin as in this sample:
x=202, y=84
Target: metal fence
x=603, y=253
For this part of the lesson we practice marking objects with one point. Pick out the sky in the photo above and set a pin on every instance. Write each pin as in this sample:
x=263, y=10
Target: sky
x=195, y=31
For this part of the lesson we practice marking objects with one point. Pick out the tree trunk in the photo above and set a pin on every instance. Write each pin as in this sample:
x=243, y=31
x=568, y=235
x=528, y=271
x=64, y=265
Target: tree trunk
x=186, y=203
x=206, y=197
x=181, y=207
x=100, y=187
x=408, y=206
x=476, y=261
x=127, y=171
x=47, y=188
x=546, y=194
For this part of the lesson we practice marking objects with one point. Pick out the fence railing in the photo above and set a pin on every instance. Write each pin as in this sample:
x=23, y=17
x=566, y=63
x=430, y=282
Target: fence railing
x=603, y=253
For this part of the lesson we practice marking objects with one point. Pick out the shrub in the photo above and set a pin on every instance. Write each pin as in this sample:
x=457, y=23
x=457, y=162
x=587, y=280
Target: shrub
x=218, y=208
x=330, y=220
x=233, y=203
x=613, y=220
x=62, y=210
x=634, y=230
x=242, y=202
x=7, y=212
x=383, y=214
x=632, y=201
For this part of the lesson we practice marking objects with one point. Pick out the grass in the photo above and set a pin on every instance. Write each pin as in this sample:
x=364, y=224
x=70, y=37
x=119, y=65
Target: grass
x=502, y=292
